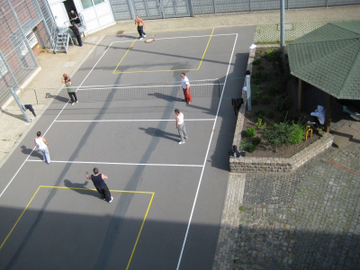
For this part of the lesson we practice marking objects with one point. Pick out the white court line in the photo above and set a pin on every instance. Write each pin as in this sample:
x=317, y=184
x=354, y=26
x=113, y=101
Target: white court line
x=205, y=159
x=171, y=38
x=57, y=116
x=131, y=120
x=120, y=163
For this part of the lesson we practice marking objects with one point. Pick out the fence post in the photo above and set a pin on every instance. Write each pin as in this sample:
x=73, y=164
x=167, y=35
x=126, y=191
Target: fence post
x=19, y=104
x=248, y=92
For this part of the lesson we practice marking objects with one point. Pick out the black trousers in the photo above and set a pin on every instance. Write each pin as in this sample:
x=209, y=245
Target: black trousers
x=104, y=193
x=73, y=96
x=141, y=31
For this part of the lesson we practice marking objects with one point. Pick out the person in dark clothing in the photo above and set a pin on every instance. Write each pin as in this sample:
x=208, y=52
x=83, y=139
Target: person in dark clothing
x=74, y=17
x=76, y=31
x=100, y=185
x=30, y=108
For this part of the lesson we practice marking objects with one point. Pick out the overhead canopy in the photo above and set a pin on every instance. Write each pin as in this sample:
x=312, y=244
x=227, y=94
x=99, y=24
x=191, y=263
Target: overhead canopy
x=329, y=59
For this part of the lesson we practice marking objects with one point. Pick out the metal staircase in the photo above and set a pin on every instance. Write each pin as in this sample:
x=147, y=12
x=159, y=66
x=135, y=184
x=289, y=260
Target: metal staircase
x=62, y=40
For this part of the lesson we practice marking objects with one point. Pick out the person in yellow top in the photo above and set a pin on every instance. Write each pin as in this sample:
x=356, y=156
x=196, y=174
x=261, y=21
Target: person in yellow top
x=140, y=27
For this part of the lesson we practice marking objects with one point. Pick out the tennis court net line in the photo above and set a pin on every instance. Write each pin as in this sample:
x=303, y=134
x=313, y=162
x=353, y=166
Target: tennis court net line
x=109, y=93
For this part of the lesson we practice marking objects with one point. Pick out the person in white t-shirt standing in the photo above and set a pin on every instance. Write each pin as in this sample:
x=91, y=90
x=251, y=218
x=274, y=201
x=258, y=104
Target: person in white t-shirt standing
x=185, y=84
x=42, y=144
x=180, y=126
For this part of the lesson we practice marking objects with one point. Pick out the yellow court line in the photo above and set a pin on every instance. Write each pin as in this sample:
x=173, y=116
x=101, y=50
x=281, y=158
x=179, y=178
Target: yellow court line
x=140, y=231
x=23, y=212
x=112, y=190
x=132, y=44
x=202, y=58
x=173, y=70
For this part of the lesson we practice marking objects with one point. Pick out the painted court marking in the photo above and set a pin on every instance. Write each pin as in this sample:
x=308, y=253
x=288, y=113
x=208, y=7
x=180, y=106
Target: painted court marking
x=200, y=166
x=88, y=189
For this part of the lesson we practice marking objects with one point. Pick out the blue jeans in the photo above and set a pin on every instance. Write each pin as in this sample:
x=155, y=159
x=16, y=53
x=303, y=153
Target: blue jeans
x=46, y=155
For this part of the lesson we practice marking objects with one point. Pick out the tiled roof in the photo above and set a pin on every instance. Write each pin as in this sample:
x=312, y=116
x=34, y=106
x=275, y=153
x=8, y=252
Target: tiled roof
x=329, y=58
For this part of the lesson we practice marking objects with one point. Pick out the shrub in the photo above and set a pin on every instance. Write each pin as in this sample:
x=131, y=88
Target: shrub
x=285, y=133
x=250, y=132
x=256, y=81
x=274, y=89
x=254, y=100
x=271, y=115
x=256, y=141
x=257, y=91
x=262, y=75
x=257, y=61
x=272, y=55
x=296, y=134
x=259, y=124
x=251, y=148
x=282, y=103
x=265, y=100
x=260, y=113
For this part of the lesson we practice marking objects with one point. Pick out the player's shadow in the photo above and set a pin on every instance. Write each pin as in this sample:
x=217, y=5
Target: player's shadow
x=27, y=151
x=57, y=97
x=165, y=97
x=81, y=189
x=161, y=134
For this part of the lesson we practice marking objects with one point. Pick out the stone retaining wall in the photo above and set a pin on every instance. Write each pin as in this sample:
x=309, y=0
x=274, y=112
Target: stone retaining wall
x=256, y=165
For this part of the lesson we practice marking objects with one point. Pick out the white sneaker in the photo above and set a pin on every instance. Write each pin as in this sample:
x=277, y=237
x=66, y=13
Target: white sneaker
x=77, y=101
x=111, y=200
x=72, y=103
x=181, y=142
x=141, y=38
x=144, y=35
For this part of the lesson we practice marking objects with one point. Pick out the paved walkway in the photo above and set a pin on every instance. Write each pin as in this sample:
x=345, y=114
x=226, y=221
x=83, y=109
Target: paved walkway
x=305, y=220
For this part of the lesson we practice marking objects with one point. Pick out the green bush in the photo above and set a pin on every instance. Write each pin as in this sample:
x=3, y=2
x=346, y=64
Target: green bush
x=254, y=100
x=271, y=115
x=262, y=75
x=265, y=100
x=260, y=113
x=296, y=134
x=284, y=133
x=257, y=91
x=250, y=132
x=272, y=55
x=256, y=81
x=256, y=141
x=259, y=124
x=274, y=89
x=282, y=103
x=257, y=61
x=251, y=148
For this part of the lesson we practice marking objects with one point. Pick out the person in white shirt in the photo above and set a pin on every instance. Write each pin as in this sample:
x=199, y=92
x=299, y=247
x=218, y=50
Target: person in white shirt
x=180, y=126
x=42, y=144
x=185, y=84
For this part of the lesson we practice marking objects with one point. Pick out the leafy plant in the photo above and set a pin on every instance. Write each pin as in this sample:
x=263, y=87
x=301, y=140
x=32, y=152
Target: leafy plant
x=259, y=124
x=282, y=103
x=251, y=148
x=254, y=100
x=265, y=99
x=262, y=75
x=271, y=115
x=250, y=132
x=296, y=134
x=257, y=61
x=271, y=55
x=274, y=89
x=260, y=113
x=256, y=141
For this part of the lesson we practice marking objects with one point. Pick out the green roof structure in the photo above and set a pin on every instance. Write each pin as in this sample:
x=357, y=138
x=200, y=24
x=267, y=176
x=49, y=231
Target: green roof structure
x=329, y=59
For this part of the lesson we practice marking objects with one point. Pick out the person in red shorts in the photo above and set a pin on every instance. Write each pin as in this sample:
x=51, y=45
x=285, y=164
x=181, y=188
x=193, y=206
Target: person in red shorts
x=185, y=84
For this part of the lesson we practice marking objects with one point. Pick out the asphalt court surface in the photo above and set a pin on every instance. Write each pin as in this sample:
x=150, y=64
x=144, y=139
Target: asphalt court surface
x=167, y=197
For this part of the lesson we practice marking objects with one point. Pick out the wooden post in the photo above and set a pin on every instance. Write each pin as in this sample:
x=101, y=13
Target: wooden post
x=328, y=113
x=300, y=96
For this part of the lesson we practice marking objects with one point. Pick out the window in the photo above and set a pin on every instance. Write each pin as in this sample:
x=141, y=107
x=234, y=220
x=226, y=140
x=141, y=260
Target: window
x=32, y=39
x=89, y=3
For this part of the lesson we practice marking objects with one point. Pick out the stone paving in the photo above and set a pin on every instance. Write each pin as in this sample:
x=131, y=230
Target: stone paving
x=308, y=219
